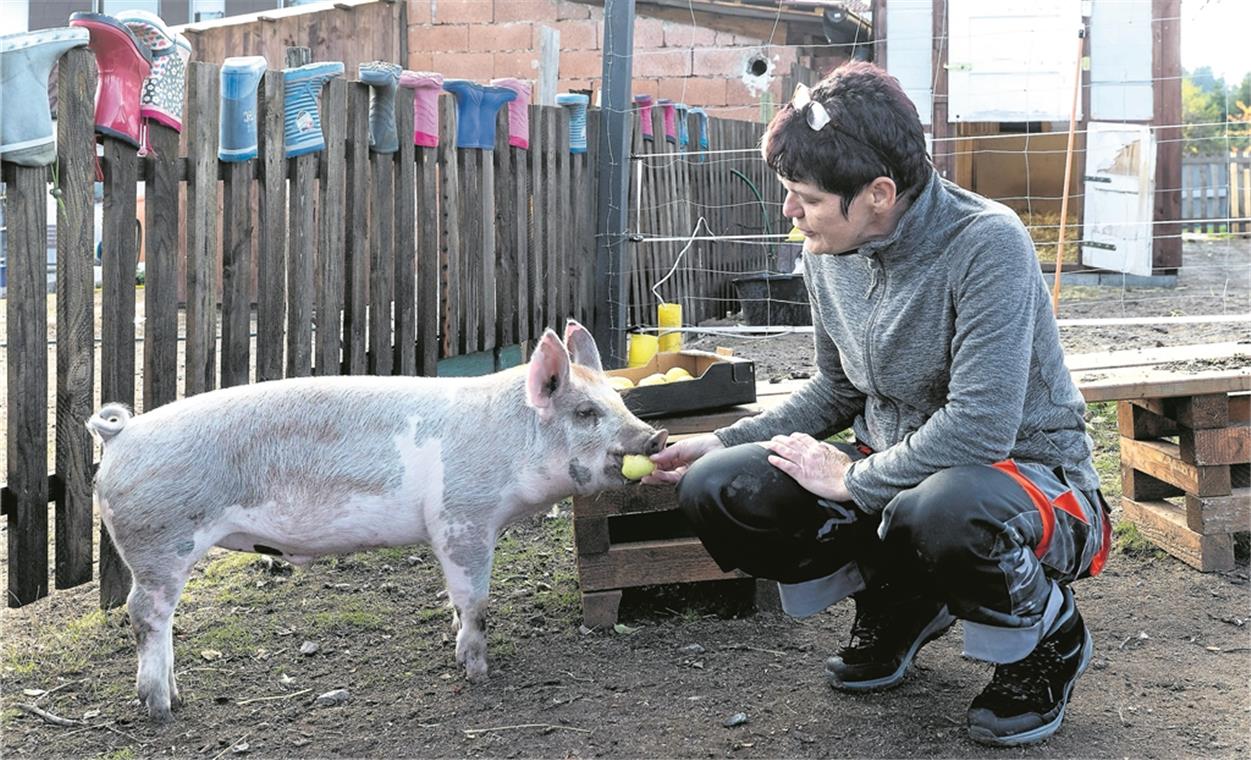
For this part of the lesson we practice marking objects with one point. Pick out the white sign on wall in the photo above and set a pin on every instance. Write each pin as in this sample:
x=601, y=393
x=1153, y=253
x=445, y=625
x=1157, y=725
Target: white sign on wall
x=1119, y=190
x=1012, y=60
x=1120, y=60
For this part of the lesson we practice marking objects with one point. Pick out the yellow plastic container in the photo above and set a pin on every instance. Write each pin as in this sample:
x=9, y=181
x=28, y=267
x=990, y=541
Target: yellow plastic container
x=641, y=349
x=669, y=315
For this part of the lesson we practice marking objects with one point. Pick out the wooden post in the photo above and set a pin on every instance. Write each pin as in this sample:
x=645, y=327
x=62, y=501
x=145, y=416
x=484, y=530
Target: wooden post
x=75, y=310
x=301, y=248
x=381, y=260
x=449, y=227
x=405, y=360
x=940, y=127
x=503, y=229
x=332, y=167
x=1166, y=252
x=237, y=273
x=356, y=244
x=271, y=268
x=201, y=131
x=27, y=434
x=427, y=321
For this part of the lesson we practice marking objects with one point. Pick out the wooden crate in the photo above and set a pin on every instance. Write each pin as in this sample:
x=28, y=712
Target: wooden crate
x=636, y=536
x=1194, y=450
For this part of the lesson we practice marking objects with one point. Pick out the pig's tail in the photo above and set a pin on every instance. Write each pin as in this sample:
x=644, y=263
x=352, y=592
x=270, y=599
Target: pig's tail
x=109, y=421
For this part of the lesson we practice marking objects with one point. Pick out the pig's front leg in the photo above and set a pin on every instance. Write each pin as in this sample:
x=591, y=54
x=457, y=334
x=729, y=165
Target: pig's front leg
x=466, y=556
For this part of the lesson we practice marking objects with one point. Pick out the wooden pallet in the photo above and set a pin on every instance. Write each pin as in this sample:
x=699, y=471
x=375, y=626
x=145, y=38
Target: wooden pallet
x=1193, y=450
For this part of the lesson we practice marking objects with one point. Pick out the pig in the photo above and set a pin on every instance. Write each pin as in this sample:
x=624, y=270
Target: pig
x=302, y=468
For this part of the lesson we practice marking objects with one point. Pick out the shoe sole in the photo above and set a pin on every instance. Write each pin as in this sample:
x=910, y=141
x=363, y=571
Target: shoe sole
x=983, y=736
x=936, y=627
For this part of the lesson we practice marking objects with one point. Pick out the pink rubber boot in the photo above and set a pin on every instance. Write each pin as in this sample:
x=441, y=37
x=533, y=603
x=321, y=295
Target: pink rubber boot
x=518, y=111
x=426, y=86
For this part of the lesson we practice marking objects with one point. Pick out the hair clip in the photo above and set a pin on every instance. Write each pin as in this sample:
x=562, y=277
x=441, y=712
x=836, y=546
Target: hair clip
x=817, y=116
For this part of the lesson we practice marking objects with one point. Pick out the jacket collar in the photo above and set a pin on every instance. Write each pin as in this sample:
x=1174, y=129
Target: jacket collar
x=912, y=225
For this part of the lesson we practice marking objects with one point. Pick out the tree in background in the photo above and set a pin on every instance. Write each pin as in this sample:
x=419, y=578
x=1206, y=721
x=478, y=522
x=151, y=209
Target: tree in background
x=1217, y=115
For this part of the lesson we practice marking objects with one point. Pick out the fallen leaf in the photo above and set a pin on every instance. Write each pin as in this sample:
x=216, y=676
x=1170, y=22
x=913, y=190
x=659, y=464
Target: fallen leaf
x=210, y=654
x=624, y=629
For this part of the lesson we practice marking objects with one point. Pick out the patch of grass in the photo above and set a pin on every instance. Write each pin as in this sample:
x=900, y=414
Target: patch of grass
x=68, y=648
x=121, y=753
x=1128, y=540
x=350, y=615
x=1102, y=428
x=233, y=636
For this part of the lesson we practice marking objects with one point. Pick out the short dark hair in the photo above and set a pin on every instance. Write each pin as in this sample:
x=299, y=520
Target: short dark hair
x=874, y=131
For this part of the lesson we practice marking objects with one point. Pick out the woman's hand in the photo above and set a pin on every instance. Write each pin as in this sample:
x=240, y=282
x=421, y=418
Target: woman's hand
x=815, y=465
x=671, y=463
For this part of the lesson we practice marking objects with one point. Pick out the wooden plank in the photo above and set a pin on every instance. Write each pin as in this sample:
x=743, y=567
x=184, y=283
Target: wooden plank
x=504, y=232
x=535, y=271
x=563, y=242
x=486, y=310
x=1220, y=514
x=1163, y=461
x=629, y=500
x=1165, y=526
x=449, y=228
x=160, y=323
x=469, y=279
x=647, y=563
x=26, y=309
x=120, y=246
x=237, y=233
x=356, y=243
x=551, y=210
x=1231, y=445
x=590, y=535
x=1199, y=412
x=75, y=315
x=1137, y=383
x=1143, y=357
x=427, y=320
x=586, y=184
x=381, y=260
x=405, y=358
x=301, y=263
x=200, y=131
x=331, y=221
x=520, y=235
x=1240, y=408
x=1141, y=486
x=271, y=294
x=600, y=608
x=1140, y=423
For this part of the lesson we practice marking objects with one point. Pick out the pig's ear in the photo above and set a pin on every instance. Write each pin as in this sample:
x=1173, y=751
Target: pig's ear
x=582, y=346
x=547, y=374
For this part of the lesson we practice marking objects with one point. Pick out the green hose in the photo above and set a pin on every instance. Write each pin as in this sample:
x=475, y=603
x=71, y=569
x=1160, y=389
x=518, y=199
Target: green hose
x=764, y=210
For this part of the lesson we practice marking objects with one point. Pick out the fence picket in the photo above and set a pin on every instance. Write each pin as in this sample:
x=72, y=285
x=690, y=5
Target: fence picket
x=202, y=214
x=502, y=230
x=356, y=243
x=26, y=499
x=427, y=322
x=449, y=228
x=236, y=273
x=405, y=360
x=535, y=269
x=381, y=260
x=469, y=281
x=331, y=168
x=75, y=317
x=271, y=302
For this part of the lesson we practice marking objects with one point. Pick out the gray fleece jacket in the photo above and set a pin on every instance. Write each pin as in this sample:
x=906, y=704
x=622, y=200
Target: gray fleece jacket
x=938, y=346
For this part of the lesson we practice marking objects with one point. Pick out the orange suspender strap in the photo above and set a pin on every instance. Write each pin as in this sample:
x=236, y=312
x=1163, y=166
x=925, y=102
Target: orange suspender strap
x=1101, y=557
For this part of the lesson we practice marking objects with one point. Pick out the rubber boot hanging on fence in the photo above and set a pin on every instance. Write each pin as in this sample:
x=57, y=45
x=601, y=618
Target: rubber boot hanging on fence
x=476, y=107
x=426, y=87
x=382, y=78
x=301, y=106
x=26, y=61
x=701, y=132
x=683, y=133
x=518, y=111
x=644, y=105
x=165, y=88
x=668, y=110
x=576, y=103
x=236, y=132
x=124, y=62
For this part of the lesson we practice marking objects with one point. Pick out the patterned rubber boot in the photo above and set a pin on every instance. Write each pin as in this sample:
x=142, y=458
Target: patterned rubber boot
x=301, y=106
x=576, y=103
x=26, y=61
x=240, y=77
x=165, y=88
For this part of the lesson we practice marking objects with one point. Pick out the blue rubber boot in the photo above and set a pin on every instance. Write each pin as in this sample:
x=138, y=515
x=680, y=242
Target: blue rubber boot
x=576, y=103
x=382, y=78
x=476, y=109
x=236, y=134
x=683, y=133
x=26, y=61
x=301, y=110
x=701, y=131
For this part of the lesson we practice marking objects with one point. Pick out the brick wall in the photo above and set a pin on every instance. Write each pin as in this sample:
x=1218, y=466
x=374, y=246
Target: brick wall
x=484, y=39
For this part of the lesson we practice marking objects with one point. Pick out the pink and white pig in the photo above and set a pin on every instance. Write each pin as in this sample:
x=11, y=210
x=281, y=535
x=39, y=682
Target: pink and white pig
x=306, y=467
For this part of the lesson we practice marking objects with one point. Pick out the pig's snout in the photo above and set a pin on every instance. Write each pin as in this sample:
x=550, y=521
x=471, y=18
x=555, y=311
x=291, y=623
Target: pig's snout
x=656, y=443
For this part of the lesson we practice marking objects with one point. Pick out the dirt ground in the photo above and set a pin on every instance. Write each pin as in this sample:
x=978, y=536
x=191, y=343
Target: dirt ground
x=1170, y=676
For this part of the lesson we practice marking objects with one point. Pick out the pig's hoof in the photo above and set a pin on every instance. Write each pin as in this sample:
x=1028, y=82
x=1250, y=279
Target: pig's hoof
x=476, y=671
x=160, y=713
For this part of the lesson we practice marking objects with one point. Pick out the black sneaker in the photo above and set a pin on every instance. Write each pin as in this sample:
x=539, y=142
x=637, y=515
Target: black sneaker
x=1025, y=701
x=888, y=631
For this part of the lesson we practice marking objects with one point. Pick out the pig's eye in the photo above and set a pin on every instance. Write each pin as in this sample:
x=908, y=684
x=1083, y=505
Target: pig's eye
x=588, y=413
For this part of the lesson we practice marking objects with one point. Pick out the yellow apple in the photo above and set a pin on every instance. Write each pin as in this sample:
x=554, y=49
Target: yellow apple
x=656, y=379
x=636, y=466
x=677, y=375
x=620, y=383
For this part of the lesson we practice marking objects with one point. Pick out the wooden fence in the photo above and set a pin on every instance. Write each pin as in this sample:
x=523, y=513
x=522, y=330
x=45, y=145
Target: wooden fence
x=345, y=261
x=1216, y=193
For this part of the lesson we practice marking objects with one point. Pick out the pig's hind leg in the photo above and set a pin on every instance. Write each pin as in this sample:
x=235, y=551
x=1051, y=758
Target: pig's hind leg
x=466, y=560
x=153, y=597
